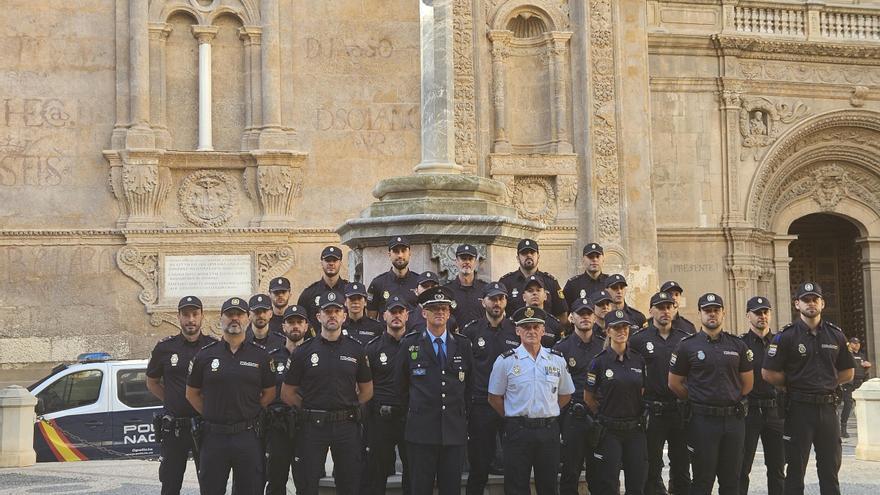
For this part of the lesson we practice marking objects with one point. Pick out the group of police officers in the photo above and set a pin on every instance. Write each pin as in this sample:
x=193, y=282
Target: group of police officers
x=565, y=380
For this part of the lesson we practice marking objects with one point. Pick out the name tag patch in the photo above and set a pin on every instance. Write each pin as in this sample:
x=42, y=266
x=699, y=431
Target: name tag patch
x=419, y=372
x=830, y=346
x=248, y=363
x=348, y=358
x=731, y=353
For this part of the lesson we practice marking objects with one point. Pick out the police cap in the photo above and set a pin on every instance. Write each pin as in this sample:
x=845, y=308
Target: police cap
x=808, y=289
x=329, y=299
x=355, y=289
x=436, y=295
x=592, y=248
x=582, y=303
x=757, y=303
x=533, y=280
x=710, y=299
x=296, y=310
x=494, y=289
x=395, y=302
x=331, y=252
x=600, y=296
x=526, y=245
x=279, y=283
x=235, y=303
x=189, y=302
x=529, y=314
x=671, y=285
x=660, y=298
x=428, y=277
x=617, y=317
x=260, y=301
x=615, y=279
x=397, y=241
x=466, y=250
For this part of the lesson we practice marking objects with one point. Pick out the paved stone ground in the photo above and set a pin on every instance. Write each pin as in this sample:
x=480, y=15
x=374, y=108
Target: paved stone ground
x=135, y=477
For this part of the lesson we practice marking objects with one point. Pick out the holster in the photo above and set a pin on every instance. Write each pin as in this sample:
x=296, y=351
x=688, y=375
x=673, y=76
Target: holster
x=197, y=428
x=157, y=427
x=742, y=408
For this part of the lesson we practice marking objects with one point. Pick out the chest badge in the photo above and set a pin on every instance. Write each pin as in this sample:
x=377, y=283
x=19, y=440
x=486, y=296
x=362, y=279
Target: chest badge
x=650, y=346
x=609, y=373
x=280, y=367
x=215, y=364
x=314, y=359
x=750, y=355
x=771, y=350
x=802, y=348
x=317, y=300
x=481, y=342
x=383, y=358
x=583, y=293
x=516, y=369
x=174, y=359
x=461, y=376
x=386, y=295
x=514, y=293
x=273, y=367
x=701, y=355
x=572, y=362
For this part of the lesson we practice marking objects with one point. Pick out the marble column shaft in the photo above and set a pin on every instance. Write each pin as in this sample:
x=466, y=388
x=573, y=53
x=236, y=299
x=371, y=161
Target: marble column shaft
x=500, y=52
x=271, y=65
x=139, y=63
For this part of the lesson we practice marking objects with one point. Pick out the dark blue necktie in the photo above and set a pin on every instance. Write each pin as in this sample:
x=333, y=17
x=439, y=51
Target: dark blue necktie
x=441, y=354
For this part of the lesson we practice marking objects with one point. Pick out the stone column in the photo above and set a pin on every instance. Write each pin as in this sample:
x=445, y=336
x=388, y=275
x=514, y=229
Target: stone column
x=867, y=409
x=251, y=36
x=730, y=108
x=159, y=33
x=438, y=115
x=782, y=280
x=139, y=134
x=205, y=34
x=17, y=427
x=271, y=136
x=500, y=52
x=871, y=278
x=558, y=51
x=145, y=186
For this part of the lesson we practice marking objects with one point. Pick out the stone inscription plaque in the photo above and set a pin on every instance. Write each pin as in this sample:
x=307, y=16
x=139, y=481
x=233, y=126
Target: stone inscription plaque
x=208, y=276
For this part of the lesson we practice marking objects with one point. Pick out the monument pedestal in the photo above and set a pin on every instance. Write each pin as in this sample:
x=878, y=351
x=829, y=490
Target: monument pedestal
x=436, y=212
x=868, y=406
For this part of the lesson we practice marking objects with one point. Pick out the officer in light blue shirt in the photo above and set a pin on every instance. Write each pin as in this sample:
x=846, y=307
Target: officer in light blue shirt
x=527, y=387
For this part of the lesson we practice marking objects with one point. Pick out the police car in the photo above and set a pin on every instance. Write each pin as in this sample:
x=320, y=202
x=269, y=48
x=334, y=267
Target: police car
x=97, y=408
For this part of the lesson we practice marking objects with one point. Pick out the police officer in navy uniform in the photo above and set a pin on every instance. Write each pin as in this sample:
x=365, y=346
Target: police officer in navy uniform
x=328, y=379
x=713, y=370
x=614, y=389
x=331, y=263
x=398, y=281
x=490, y=336
x=861, y=374
x=592, y=280
x=281, y=428
x=810, y=359
x=675, y=290
x=764, y=420
x=527, y=387
x=279, y=289
x=387, y=416
x=655, y=344
x=466, y=288
x=578, y=349
x=427, y=280
x=258, y=329
x=229, y=384
x=616, y=286
x=166, y=379
x=602, y=305
x=433, y=372
x=535, y=294
x=357, y=323
x=515, y=281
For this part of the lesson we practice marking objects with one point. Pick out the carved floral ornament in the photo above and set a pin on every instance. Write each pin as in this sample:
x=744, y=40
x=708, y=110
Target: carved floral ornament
x=208, y=198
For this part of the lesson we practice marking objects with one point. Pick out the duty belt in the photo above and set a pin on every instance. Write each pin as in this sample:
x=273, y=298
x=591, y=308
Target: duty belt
x=532, y=422
x=386, y=410
x=578, y=410
x=230, y=428
x=336, y=416
x=620, y=423
x=812, y=398
x=763, y=403
x=660, y=407
x=715, y=410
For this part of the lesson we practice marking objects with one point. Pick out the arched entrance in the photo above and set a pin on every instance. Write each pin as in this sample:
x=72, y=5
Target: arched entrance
x=826, y=252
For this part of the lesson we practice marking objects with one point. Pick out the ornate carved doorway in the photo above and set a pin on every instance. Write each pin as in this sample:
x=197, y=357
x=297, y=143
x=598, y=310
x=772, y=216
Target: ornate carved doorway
x=826, y=252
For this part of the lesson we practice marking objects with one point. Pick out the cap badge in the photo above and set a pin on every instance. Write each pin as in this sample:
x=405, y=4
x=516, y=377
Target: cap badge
x=355, y=286
x=332, y=249
x=189, y=299
x=481, y=342
x=398, y=239
x=619, y=314
x=609, y=373
x=710, y=297
x=808, y=287
x=584, y=301
x=215, y=364
x=278, y=281
x=760, y=301
x=314, y=359
x=438, y=296
x=383, y=358
x=592, y=246
x=235, y=301
x=527, y=243
x=331, y=296
x=663, y=295
x=701, y=355
x=572, y=362
x=174, y=359
x=529, y=312
x=650, y=346
x=260, y=298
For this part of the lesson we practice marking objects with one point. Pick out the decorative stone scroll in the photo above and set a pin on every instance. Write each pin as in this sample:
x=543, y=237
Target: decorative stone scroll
x=273, y=264
x=143, y=268
x=444, y=253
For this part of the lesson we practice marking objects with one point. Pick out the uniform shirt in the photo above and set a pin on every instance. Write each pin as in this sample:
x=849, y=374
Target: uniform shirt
x=487, y=343
x=636, y=317
x=327, y=372
x=861, y=374
x=381, y=351
x=712, y=367
x=231, y=384
x=758, y=347
x=684, y=324
x=170, y=362
x=581, y=286
x=271, y=341
x=616, y=381
x=275, y=324
x=468, y=300
x=810, y=362
x=389, y=284
x=364, y=329
x=531, y=386
x=308, y=298
x=436, y=398
x=578, y=355
x=280, y=361
x=598, y=331
x=515, y=282
x=656, y=351
x=552, y=332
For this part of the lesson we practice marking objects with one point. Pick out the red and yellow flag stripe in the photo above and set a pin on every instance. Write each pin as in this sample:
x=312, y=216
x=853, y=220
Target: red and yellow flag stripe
x=59, y=443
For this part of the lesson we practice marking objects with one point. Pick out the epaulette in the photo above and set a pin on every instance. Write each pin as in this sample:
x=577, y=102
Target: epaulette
x=690, y=336
x=557, y=352
x=414, y=332
x=167, y=338
x=834, y=326
x=354, y=339
x=210, y=344
x=555, y=318
x=549, y=275
x=601, y=352
x=574, y=277
x=306, y=340
x=508, y=353
x=459, y=336
x=469, y=323
x=786, y=327
x=261, y=346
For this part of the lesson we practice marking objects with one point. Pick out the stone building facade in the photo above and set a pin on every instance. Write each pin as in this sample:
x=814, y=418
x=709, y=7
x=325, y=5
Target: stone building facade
x=730, y=145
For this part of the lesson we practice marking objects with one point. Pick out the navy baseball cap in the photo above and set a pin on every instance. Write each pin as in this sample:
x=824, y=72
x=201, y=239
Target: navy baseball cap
x=808, y=289
x=617, y=317
x=189, y=302
x=756, y=303
x=331, y=298
x=534, y=279
x=395, y=302
x=600, y=296
x=593, y=248
x=331, y=252
x=615, y=279
x=660, y=298
x=526, y=245
x=582, y=303
x=710, y=299
x=529, y=314
x=428, y=277
x=355, y=289
x=397, y=241
x=296, y=310
x=279, y=283
x=235, y=303
x=436, y=295
x=494, y=289
x=466, y=250
x=671, y=285
x=260, y=301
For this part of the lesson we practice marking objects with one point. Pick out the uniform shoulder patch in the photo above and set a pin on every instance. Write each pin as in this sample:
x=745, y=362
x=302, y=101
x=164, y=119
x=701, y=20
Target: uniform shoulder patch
x=786, y=327
x=261, y=346
x=470, y=323
x=209, y=345
x=167, y=338
x=374, y=339
x=557, y=352
x=354, y=339
x=508, y=353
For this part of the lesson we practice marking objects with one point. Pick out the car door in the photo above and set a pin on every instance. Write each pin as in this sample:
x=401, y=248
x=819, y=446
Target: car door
x=132, y=408
x=74, y=418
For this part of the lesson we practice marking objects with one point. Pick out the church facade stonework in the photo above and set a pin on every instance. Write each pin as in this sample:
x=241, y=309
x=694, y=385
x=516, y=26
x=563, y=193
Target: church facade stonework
x=144, y=140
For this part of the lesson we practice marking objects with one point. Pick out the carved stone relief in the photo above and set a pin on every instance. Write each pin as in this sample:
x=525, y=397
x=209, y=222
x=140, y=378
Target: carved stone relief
x=143, y=268
x=273, y=264
x=535, y=199
x=464, y=98
x=827, y=185
x=760, y=122
x=444, y=253
x=208, y=198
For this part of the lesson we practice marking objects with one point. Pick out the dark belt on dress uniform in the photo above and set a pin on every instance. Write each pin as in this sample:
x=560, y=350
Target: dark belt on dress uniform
x=812, y=398
x=336, y=416
x=763, y=403
x=230, y=428
x=531, y=422
x=386, y=410
x=620, y=423
x=705, y=410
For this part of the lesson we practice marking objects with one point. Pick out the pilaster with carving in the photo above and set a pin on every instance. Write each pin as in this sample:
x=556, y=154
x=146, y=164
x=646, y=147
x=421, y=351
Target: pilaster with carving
x=500, y=51
x=159, y=33
x=558, y=52
x=252, y=37
x=279, y=182
x=464, y=98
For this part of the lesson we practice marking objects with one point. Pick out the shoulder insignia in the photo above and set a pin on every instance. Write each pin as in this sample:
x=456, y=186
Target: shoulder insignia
x=374, y=339
x=508, y=353
x=554, y=318
x=210, y=344
x=460, y=336
x=414, y=332
x=167, y=338
x=834, y=326
x=470, y=323
x=354, y=339
x=786, y=327
x=306, y=340
x=548, y=274
x=600, y=353
x=574, y=277
x=690, y=336
x=261, y=346
x=557, y=352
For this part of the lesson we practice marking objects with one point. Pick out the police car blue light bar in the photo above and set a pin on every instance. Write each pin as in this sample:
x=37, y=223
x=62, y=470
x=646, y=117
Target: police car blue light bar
x=94, y=357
